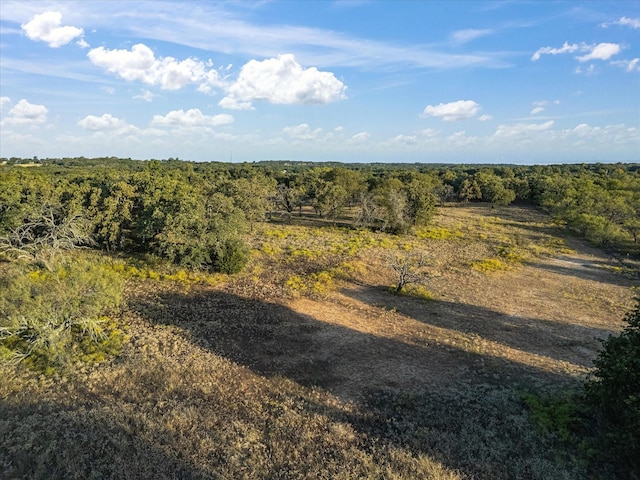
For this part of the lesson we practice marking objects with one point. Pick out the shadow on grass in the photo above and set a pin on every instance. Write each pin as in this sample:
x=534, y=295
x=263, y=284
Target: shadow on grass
x=474, y=423
x=557, y=340
x=262, y=421
x=597, y=271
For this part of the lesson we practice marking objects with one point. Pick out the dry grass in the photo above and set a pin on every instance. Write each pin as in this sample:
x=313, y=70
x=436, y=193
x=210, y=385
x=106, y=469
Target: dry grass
x=248, y=377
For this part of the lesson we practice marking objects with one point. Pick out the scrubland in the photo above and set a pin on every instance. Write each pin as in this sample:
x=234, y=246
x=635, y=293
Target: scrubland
x=308, y=364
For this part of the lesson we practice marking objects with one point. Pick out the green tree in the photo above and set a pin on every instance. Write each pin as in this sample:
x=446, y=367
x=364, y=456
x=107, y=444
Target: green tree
x=613, y=393
x=253, y=195
x=469, y=190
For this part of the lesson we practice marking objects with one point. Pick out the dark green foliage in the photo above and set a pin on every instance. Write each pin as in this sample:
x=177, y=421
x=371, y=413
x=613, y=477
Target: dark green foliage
x=613, y=394
x=229, y=256
x=159, y=206
x=558, y=415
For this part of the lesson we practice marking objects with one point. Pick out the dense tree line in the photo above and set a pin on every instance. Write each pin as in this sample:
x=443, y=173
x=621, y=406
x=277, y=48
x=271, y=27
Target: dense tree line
x=194, y=213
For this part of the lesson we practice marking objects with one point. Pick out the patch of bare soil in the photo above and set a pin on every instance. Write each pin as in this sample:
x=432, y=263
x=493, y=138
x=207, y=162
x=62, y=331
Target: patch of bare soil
x=541, y=320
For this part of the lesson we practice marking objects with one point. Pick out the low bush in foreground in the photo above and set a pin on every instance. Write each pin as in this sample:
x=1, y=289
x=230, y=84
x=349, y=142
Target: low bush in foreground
x=49, y=318
x=600, y=426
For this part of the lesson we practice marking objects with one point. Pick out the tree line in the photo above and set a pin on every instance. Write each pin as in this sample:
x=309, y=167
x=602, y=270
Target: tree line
x=194, y=214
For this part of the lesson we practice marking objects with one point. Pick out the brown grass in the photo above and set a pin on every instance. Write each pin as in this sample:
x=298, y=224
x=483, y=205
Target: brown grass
x=249, y=378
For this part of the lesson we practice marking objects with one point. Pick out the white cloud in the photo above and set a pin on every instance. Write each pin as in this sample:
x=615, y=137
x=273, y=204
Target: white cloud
x=602, y=51
x=25, y=113
x=146, y=95
x=522, y=129
x=106, y=122
x=140, y=64
x=283, y=81
x=538, y=106
x=4, y=101
x=233, y=104
x=485, y=118
x=191, y=118
x=46, y=28
x=629, y=65
x=429, y=132
x=465, y=36
x=454, y=111
x=404, y=140
x=566, y=48
x=360, y=137
x=461, y=139
x=302, y=132
x=625, y=22
x=590, y=70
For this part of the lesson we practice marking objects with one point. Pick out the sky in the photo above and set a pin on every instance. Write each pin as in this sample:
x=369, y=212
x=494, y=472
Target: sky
x=518, y=82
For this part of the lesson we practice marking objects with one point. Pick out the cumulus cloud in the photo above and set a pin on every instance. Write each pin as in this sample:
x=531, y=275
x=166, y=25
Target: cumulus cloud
x=454, y=111
x=146, y=95
x=360, y=137
x=140, y=64
x=191, y=118
x=25, y=113
x=4, y=101
x=625, y=22
x=485, y=118
x=233, y=104
x=283, y=81
x=404, y=140
x=522, y=129
x=566, y=48
x=602, y=51
x=302, y=132
x=538, y=106
x=46, y=28
x=107, y=123
x=461, y=139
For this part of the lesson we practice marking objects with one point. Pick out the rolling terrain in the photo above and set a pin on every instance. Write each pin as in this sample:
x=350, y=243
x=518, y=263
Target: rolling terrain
x=308, y=365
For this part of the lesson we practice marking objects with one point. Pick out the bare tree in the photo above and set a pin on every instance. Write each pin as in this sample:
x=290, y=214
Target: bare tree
x=45, y=235
x=409, y=268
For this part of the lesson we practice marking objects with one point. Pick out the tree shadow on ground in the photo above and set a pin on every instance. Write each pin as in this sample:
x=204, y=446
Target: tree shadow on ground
x=593, y=270
x=566, y=342
x=472, y=421
x=274, y=411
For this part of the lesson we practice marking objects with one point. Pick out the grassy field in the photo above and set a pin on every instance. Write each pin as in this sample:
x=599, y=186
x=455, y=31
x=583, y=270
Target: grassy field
x=307, y=365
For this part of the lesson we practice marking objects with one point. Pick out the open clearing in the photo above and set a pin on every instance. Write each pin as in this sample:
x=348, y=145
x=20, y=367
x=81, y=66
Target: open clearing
x=258, y=376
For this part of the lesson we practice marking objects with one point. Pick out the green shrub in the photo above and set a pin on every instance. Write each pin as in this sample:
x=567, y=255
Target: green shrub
x=613, y=394
x=229, y=256
x=50, y=318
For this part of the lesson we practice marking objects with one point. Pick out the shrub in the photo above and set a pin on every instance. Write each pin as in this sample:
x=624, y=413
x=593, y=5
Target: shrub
x=49, y=318
x=613, y=394
x=229, y=256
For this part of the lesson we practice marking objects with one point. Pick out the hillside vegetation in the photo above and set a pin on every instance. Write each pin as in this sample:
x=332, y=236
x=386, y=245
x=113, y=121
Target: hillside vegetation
x=179, y=320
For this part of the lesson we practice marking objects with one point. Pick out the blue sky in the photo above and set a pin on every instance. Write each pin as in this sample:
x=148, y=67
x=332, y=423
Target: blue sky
x=528, y=82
